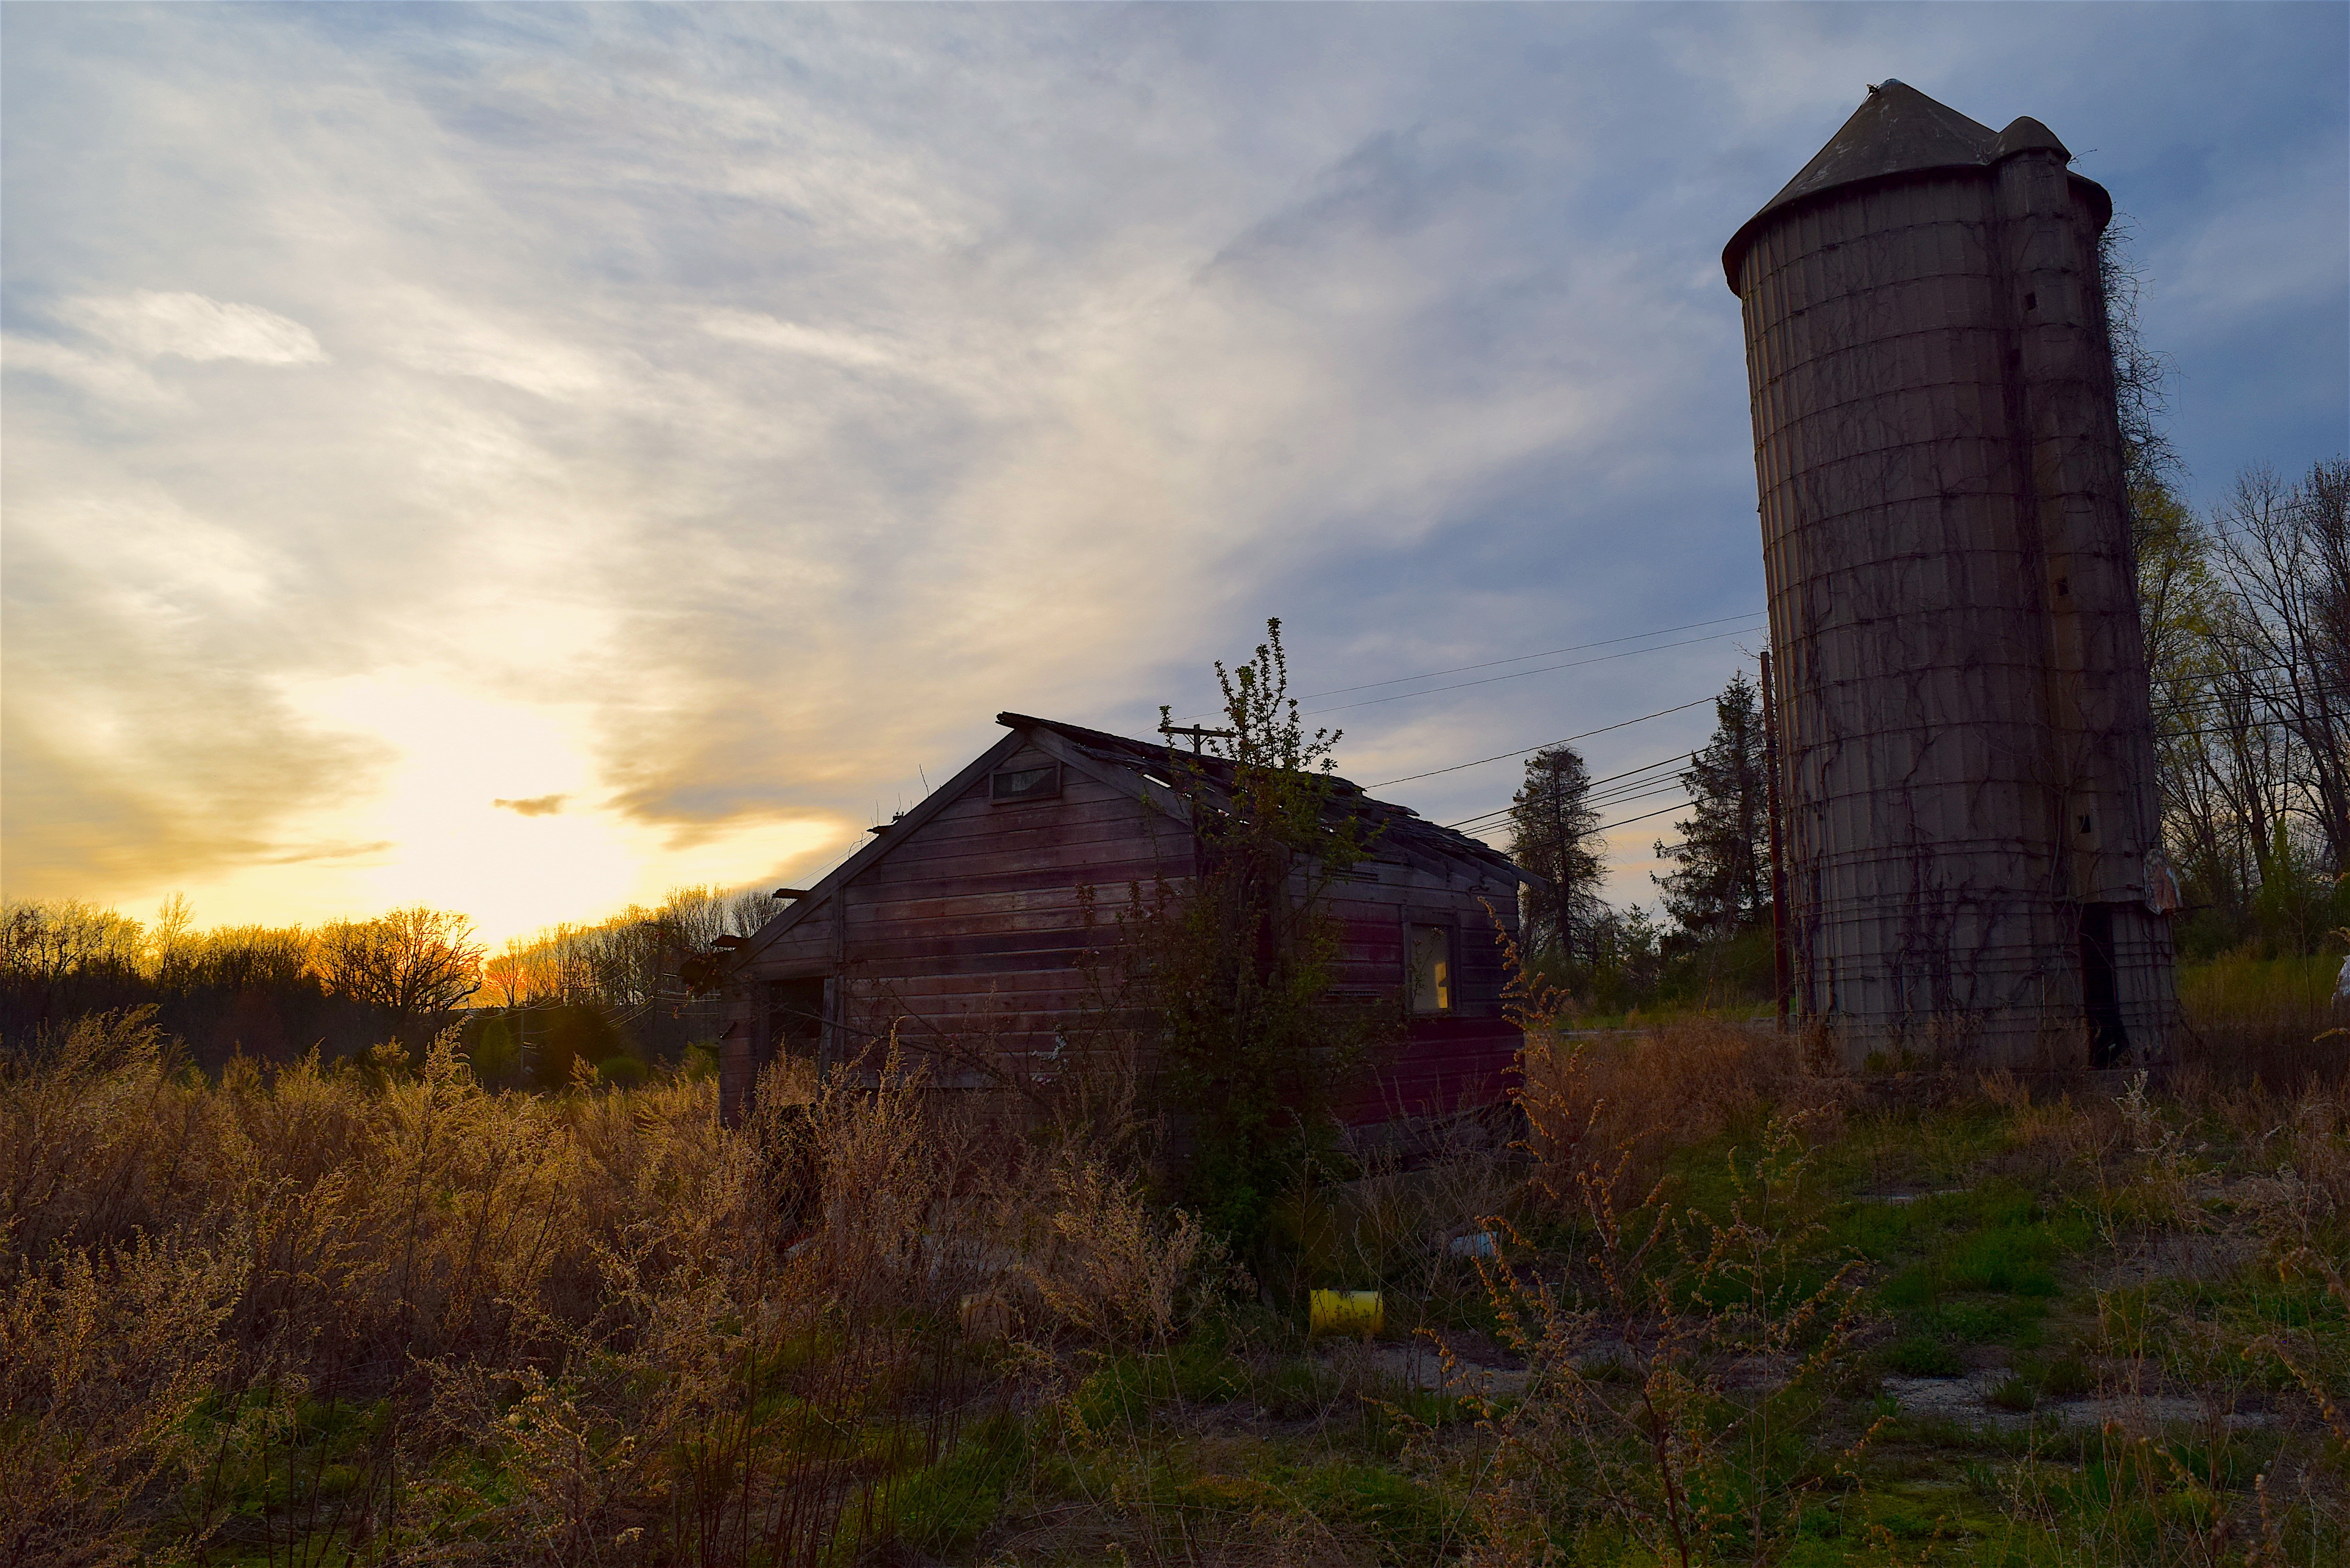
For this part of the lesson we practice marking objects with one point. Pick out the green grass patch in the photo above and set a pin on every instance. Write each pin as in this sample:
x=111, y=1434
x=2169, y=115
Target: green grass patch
x=2014, y=1392
x=1406, y=1517
x=2238, y=986
x=2014, y=1260
x=1923, y=1355
x=1970, y=1267
x=1295, y=1388
x=1120, y=1393
x=317, y=1451
x=943, y=1506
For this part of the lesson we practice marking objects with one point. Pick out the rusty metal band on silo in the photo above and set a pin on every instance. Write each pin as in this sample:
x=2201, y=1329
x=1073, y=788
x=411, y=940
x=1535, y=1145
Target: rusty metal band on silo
x=1967, y=748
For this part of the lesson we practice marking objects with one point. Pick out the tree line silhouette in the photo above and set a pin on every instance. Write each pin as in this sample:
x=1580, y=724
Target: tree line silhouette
x=603, y=996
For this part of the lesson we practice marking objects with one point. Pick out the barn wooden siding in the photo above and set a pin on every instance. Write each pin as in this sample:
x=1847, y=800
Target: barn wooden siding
x=965, y=932
x=1465, y=1057
x=1973, y=848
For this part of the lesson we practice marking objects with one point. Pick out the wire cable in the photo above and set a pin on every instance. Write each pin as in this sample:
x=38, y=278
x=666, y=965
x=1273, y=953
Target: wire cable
x=1521, y=657
x=1638, y=789
x=1514, y=659
x=1676, y=760
x=1612, y=827
x=1529, y=751
x=1514, y=674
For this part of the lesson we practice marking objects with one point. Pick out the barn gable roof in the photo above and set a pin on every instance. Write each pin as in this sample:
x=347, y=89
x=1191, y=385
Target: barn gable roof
x=1143, y=767
x=1400, y=831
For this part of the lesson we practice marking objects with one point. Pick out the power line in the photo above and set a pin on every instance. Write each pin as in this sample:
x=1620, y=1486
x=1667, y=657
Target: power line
x=1636, y=789
x=1516, y=659
x=2291, y=731
x=1612, y=827
x=1640, y=788
x=2223, y=670
x=1486, y=821
x=2248, y=694
x=1672, y=761
x=1483, y=821
x=1675, y=787
x=1529, y=751
x=1661, y=811
x=1606, y=798
x=1514, y=674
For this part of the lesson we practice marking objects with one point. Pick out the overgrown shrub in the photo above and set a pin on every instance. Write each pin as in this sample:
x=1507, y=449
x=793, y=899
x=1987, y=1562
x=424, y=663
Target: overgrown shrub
x=585, y=1326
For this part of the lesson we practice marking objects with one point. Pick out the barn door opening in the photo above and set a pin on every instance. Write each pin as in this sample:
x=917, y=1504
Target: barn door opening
x=2101, y=1002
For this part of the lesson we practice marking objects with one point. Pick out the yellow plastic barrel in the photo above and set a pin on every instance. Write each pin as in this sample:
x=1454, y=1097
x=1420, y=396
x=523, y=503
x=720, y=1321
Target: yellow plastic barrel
x=1346, y=1312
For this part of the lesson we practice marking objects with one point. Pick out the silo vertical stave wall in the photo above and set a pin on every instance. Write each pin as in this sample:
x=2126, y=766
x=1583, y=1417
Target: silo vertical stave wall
x=1971, y=822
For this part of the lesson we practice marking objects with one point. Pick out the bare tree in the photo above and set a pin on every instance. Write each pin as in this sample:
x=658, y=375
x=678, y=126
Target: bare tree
x=412, y=962
x=746, y=913
x=49, y=940
x=2286, y=549
x=2247, y=623
x=512, y=977
x=2141, y=373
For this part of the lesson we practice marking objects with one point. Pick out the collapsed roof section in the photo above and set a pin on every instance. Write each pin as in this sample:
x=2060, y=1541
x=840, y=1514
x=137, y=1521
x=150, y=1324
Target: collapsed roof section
x=1398, y=832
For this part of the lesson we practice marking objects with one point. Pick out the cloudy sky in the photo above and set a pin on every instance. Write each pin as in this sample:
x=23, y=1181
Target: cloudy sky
x=524, y=459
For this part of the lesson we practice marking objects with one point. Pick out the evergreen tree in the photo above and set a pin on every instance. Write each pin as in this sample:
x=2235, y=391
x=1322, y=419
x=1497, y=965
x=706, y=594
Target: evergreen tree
x=1722, y=880
x=1554, y=834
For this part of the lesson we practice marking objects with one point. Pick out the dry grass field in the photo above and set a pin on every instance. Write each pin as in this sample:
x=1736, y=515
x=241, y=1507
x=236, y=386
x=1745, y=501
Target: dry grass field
x=1714, y=1304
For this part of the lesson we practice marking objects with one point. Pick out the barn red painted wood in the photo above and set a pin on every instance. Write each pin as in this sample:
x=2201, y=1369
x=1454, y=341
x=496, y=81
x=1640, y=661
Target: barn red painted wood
x=965, y=930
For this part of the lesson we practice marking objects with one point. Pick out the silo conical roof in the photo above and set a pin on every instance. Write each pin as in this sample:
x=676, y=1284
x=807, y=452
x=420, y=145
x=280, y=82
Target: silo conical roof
x=1898, y=130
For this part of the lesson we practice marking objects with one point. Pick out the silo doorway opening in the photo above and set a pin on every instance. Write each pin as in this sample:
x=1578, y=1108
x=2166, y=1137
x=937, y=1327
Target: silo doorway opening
x=2101, y=1002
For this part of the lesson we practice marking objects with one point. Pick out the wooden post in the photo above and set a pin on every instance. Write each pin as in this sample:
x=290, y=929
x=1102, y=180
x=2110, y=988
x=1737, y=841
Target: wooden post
x=1195, y=732
x=1779, y=966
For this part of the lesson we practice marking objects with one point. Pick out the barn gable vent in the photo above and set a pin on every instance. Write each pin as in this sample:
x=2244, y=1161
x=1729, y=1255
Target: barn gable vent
x=1039, y=782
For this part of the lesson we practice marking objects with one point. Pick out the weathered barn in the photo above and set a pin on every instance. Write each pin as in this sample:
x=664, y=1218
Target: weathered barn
x=963, y=930
x=1973, y=858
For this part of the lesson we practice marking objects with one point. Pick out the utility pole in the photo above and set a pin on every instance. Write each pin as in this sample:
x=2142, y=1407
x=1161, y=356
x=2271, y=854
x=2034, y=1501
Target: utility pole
x=1196, y=732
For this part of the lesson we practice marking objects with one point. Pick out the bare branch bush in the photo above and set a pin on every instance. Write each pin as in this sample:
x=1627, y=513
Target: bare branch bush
x=394, y=1314
x=1680, y=1367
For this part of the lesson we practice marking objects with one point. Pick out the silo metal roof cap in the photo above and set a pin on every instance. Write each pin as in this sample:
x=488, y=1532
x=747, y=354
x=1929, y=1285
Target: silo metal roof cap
x=1899, y=131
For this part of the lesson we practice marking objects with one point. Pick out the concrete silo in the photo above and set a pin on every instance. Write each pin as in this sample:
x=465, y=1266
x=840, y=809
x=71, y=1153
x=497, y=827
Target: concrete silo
x=1974, y=862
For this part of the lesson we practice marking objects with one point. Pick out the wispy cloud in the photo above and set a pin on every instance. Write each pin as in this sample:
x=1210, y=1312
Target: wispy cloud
x=190, y=327
x=791, y=337
x=109, y=377
x=706, y=419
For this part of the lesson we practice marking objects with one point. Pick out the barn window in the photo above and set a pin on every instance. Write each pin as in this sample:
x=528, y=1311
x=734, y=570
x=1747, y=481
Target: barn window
x=1025, y=784
x=1432, y=969
x=796, y=1015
